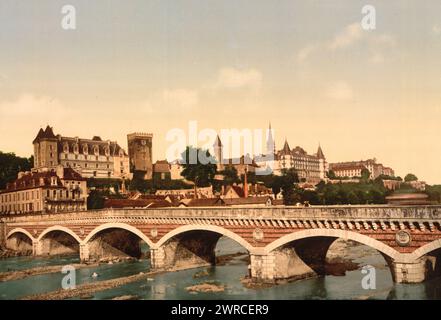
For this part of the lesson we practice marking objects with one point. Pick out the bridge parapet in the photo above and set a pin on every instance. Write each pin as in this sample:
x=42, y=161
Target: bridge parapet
x=384, y=212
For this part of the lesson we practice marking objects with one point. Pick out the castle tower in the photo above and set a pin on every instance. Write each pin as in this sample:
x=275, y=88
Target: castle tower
x=45, y=149
x=140, y=154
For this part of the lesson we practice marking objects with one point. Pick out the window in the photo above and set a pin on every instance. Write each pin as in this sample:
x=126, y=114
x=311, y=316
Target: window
x=94, y=173
x=109, y=174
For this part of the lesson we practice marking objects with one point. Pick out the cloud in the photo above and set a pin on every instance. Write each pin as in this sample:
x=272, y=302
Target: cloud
x=351, y=34
x=305, y=52
x=340, y=91
x=232, y=78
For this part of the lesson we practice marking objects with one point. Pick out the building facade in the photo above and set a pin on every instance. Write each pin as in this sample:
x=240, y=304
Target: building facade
x=48, y=191
x=140, y=153
x=311, y=168
x=348, y=170
x=89, y=157
x=344, y=169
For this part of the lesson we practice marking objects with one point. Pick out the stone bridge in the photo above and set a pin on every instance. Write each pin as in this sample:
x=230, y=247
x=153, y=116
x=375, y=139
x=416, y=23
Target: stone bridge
x=283, y=242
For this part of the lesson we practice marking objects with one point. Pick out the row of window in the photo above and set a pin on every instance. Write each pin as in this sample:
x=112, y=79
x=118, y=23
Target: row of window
x=90, y=158
x=61, y=194
x=20, y=207
x=20, y=196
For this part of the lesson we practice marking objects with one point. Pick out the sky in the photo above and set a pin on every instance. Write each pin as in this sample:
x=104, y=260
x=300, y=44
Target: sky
x=153, y=65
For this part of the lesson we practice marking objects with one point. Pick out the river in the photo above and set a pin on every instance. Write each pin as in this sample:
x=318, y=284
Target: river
x=172, y=285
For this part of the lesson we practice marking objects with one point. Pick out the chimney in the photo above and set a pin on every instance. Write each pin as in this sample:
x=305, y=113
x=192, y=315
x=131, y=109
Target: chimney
x=245, y=184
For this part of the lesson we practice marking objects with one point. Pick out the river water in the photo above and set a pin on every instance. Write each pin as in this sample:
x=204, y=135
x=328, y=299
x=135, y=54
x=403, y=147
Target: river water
x=173, y=285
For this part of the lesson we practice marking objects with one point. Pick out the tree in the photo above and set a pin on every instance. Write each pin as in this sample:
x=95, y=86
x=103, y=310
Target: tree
x=95, y=200
x=331, y=175
x=11, y=165
x=201, y=174
x=288, y=178
x=353, y=198
x=271, y=181
x=138, y=183
x=365, y=174
x=230, y=176
x=410, y=177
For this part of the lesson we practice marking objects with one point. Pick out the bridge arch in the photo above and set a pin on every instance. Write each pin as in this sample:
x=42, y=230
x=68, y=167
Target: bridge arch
x=123, y=226
x=59, y=228
x=427, y=248
x=212, y=228
x=332, y=233
x=20, y=230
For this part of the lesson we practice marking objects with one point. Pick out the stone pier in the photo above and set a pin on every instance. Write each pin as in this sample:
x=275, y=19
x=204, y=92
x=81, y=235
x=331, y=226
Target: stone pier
x=2, y=234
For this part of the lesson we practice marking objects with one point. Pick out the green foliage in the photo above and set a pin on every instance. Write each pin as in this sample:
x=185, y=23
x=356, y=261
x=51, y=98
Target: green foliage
x=434, y=193
x=410, y=177
x=365, y=174
x=139, y=184
x=351, y=193
x=201, y=174
x=331, y=175
x=271, y=181
x=11, y=165
x=230, y=176
x=287, y=180
x=96, y=199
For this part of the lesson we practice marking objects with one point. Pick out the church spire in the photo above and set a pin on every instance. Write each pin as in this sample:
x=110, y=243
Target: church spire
x=270, y=143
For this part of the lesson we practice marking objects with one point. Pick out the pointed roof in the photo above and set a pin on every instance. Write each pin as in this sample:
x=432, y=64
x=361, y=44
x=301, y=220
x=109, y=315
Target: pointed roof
x=218, y=142
x=48, y=133
x=39, y=135
x=320, y=153
x=270, y=143
x=286, y=148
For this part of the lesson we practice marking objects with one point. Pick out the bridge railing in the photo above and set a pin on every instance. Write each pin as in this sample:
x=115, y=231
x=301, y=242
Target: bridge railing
x=369, y=212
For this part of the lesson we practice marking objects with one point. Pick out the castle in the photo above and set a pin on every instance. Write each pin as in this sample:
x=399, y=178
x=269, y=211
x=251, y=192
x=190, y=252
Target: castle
x=92, y=158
